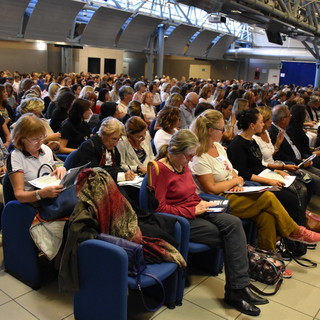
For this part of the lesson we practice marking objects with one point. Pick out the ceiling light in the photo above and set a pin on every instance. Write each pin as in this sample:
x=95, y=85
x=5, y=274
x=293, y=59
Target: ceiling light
x=236, y=11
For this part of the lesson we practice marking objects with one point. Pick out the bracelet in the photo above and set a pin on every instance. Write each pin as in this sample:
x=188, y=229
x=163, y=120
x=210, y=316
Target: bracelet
x=276, y=149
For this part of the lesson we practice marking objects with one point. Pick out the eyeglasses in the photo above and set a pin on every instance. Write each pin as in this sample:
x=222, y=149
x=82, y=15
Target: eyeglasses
x=288, y=116
x=222, y=130
x=36, y=140
x=140, y=137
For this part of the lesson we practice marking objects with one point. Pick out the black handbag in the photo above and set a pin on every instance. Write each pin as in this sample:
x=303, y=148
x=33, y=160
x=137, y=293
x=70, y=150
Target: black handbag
x=59, y=207
x=136, y=264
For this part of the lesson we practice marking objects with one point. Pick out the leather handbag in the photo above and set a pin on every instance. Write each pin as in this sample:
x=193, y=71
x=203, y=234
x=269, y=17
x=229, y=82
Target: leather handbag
x=312, y=221
x=136, y=264
x=59, y=207
x=266, y=267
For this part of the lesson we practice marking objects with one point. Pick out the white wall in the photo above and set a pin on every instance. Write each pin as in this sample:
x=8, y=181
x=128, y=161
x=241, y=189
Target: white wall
x=81, y=58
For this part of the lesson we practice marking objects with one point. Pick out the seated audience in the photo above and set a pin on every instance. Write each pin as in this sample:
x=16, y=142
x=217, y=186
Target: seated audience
x=214, y=174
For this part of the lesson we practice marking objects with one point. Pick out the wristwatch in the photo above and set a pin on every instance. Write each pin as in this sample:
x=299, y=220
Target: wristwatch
x=38, y=195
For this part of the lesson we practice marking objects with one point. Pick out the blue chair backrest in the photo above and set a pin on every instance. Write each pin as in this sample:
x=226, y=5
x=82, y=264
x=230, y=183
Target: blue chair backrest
x=8, y=193
x=69, y=162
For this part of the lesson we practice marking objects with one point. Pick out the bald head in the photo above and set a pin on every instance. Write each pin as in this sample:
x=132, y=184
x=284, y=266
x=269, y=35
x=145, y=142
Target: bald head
x=191, y=100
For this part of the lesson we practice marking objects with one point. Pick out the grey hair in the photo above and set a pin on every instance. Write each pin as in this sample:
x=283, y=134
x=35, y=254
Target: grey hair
x=111, y=125
x=124, y=90
x=138, y=85
x=279, y=112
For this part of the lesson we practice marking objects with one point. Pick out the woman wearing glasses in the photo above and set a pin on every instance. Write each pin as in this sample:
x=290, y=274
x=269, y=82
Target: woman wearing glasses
x=135, y=148
x=29, y=155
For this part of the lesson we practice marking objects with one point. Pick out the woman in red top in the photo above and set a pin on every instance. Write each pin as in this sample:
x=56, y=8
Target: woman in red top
x=176, y=194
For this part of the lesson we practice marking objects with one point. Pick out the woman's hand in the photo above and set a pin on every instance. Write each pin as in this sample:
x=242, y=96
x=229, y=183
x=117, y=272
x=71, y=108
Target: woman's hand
x=202, y=207
x=3, y=170
x=290, y=167
x=307, y=164
x=238, y=181
x=129, y=175
x=59, y=172
x=51, y=191
x=54, y=136
x=282, y=173
x=276, y=183
x=143, y=170
x=236, y=189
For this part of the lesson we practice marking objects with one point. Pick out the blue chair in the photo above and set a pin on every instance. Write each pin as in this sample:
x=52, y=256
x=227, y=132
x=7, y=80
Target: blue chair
x=104, y=280
x=69, y=161
x=20, y=254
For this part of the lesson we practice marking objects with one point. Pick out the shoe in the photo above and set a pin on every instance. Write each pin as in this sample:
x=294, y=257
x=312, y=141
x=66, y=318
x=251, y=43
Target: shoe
x=311, y=246
x=243, y=306
x=281, y=249
x=251, y=297
x=245, y=294
x=305, y=236
x=287, y=274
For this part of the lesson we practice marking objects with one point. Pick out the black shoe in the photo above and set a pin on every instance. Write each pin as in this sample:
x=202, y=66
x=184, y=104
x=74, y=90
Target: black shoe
x=286, y=256
x=311, y=246
x=243, y=306
x=251, y=297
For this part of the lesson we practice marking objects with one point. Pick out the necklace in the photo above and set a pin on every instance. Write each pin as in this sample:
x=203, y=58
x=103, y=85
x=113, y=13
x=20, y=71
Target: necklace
x=174, y=169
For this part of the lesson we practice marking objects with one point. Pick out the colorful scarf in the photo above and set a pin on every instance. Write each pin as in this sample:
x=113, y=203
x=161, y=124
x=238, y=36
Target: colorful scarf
x=116, y=217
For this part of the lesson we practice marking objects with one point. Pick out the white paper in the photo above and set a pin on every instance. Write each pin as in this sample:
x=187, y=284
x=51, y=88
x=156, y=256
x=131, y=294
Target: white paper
x=48, y=180
x=287, y=180
x=308, y=159
x=250, y=189
x=136, y=182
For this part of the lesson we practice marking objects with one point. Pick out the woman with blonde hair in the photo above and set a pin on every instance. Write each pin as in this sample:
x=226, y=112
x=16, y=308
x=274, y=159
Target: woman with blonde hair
x=205, y=94
x=214, y=173
x=36, y=106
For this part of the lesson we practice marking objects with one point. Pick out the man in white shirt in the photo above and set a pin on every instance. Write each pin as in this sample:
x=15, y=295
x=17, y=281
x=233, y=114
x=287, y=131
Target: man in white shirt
x=125, y=95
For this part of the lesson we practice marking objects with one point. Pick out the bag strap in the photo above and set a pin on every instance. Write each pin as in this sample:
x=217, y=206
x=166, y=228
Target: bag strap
x=151, y=164
x=42, y=166
x=276, y=289
x=301, y=261
x=141, y=292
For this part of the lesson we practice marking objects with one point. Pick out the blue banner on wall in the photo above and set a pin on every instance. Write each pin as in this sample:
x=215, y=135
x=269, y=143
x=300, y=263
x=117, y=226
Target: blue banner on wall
x=298, y=73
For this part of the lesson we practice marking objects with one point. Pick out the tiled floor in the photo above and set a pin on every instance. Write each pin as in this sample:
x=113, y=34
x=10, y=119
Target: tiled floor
x=298, y=299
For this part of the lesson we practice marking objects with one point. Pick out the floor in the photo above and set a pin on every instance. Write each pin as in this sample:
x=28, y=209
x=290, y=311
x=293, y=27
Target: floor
x=298, y=298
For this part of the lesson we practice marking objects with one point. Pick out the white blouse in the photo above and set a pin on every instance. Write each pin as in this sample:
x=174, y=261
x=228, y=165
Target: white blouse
x=220, y=166
x=267, y=149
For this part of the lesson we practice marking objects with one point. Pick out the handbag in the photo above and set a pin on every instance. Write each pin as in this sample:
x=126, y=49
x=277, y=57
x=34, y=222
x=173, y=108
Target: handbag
x=266, y=267
x=312, y=221
x=136, y=264
x=47, y=235
x=59, y=207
